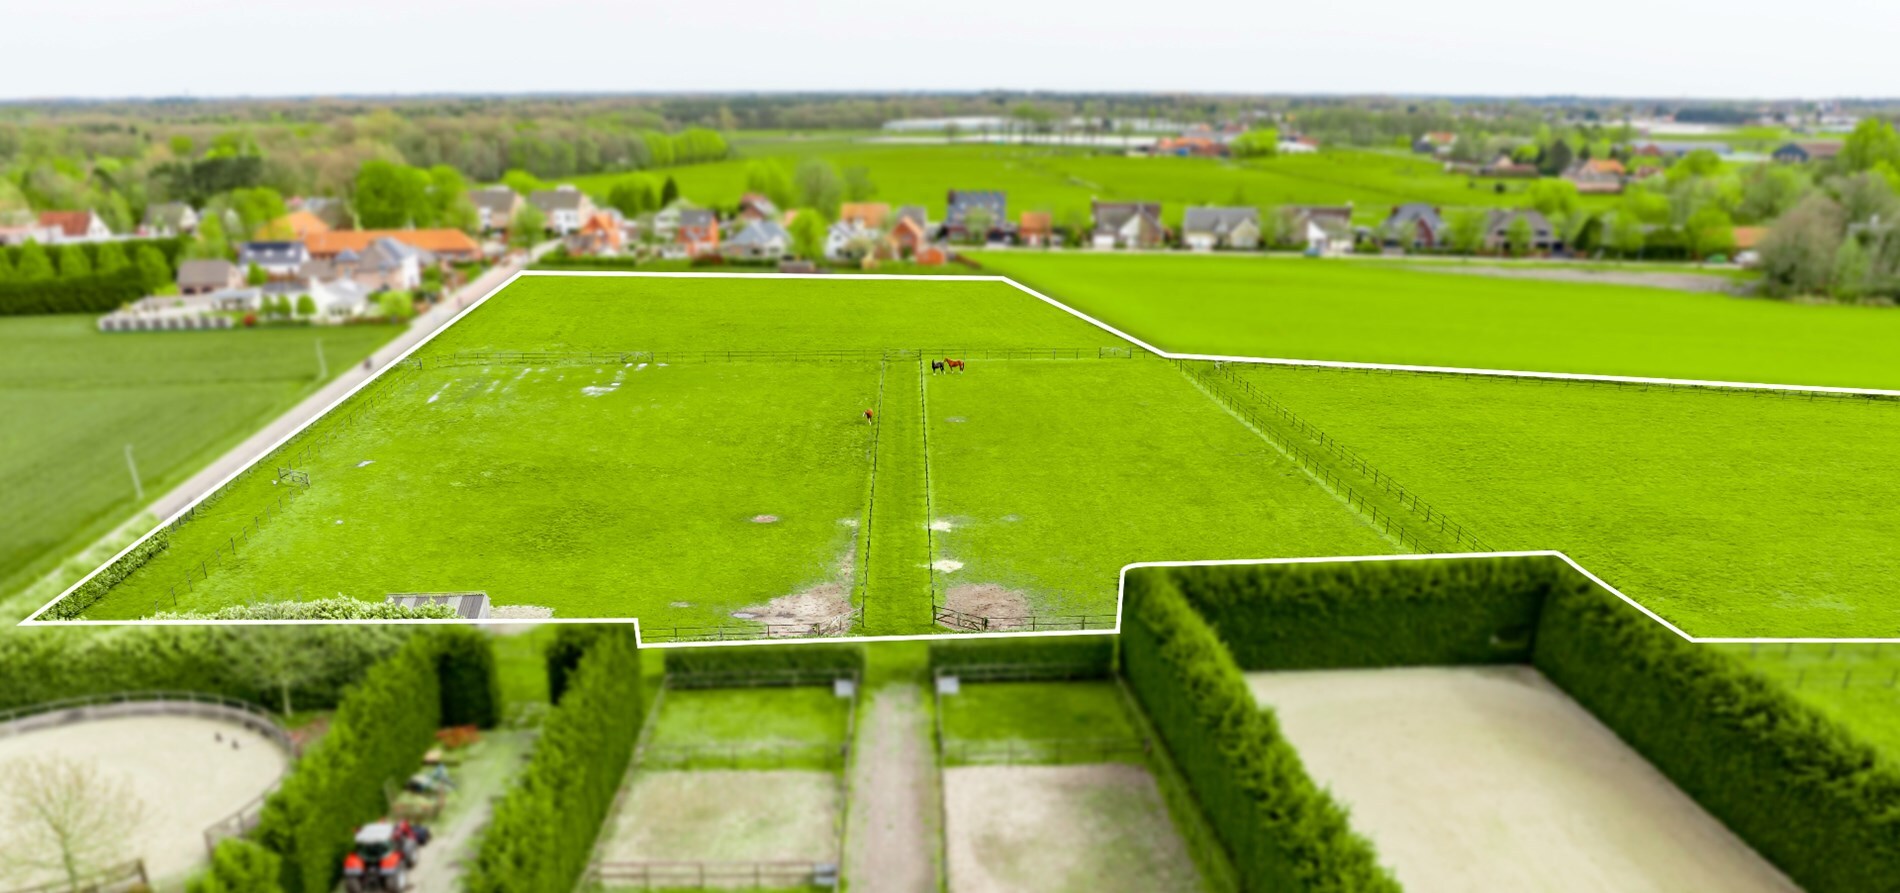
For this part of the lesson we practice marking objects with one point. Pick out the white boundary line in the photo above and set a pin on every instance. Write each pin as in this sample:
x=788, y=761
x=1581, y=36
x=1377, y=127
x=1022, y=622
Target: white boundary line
x=33, y=619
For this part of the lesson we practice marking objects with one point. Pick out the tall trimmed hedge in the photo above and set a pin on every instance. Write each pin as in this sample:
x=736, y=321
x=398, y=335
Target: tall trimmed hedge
x=1372, y=613
x=1280, y=829
x=816, y=658
x=378, y=735
x=541, y=834
x=88, y=293
x=1094, y=654
x=465, y=666
x=1800, y=789
x=564, y=652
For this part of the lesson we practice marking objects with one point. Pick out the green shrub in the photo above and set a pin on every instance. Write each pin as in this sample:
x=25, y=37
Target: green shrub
x=378, y=735
x=90, y=592
x=564, y=653
x=1372, y=613
x=79, y=282
x=323, y=609
x=814, y=658
x=1281, y=830
x=465, y=664
x=1792, y=783
x=541, y=833
x=239, y=866
x=1069, y=655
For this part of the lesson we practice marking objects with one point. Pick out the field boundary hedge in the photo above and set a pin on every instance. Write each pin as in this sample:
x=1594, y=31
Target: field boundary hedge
x=1068, y=657
x=763, y=664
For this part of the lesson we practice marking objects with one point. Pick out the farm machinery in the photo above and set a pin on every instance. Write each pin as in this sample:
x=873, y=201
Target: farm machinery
x=383, y=854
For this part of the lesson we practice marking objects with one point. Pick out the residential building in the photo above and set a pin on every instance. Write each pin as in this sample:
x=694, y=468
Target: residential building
x=1497, y=231
x=341, y=299
x=908, y=237
x=868, y=216
x=755, y=207
x=1506, y=167
x=759, y=240
x=1128, y=224
x=383, y=265
x=917, y=213
x=74, y=226
x=299, y=225
x=1323, y=230
x=1597, y=176
x=1205, y=229
x=1801, y=153
x=988, y=209
x=565, y=207
x=698, y=232
x=1415, y=227
x=201, y=277
x=441, y=244
x=167, y=219
x=602, y=234
x=22, y=233
x=279, y=260
x=495, y=206
x=1667, y=149
x=1036, y=229
x=1435, y=143
x=1297, y=145
x=1186, y=146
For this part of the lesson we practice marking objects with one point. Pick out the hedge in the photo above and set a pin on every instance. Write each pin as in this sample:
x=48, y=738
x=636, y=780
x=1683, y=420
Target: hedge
x=378, y=735
x=1372, y=613
x=239, y=866
x=541, y=833
x=465, y=665
x=324, y=609
x=816, y=658
x=1281, y=831
x=1088, y=654
x=94, y=293
x=1791, y=782
x=90, y=592
x=563, y=655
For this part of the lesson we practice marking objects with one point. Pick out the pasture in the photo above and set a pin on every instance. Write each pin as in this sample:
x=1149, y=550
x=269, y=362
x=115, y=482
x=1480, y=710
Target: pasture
x=1373, y=312
x=1730, y=514
x=1494, y=779
x=1857, y=686
x=74, y=398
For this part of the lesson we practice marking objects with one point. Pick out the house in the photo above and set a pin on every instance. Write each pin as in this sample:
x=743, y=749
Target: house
x=22, y=233
x=602, y=234
x=1497, y=231
x=1128, y=224
x=759, y=240
x=1297, y=145
x=698, y=232
x=1323, y=230
x=565, y=207
x=299, y=225
x=976, y=215
x=279, y=260
x=1036, y=229
x=1415, y=227
x=1667, y=149
x=1801, y=153
x=441, y=244
x=200, y=277
x=74, y=226
x=754, y=207
x=167, y=219
x=868, y=216
x=1597, y=176
x=341, y=299
x=1205, y=229
x=1505, y=167
x=908, y=237
x=495, y=206
x=383, y=265
x=1748, y=238
x=1437, y=142
x=1193, y=146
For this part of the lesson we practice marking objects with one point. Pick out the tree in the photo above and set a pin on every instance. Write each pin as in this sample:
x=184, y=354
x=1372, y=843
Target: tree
x=65, y=816
x=857, y=184
x=396, y=304
x=306, y=307
x=808, y=230
x=1873, y=142
x=1518, y=235
x=211, y=243
x=389, y=195
x=527, y=226
x=1261, y=142
x=1709, y=231
x=1557, y=158
x=257, y=211
x=154, y=271
x=1852, y=269
x=255, y=275
x=768, y=179
x=1465, y=230
x=1798, y=253
x=669, y=192
x=263, y=660
x=1865, y=197
x=818, y=186
x=1554, y=197
x=1626, y=234
x=239, y=866
x=73, y=262
x=1769, y=190
x=1699, y=163
x=634, y=194
x=1272, y=226
x=6, y=268
x=111, y=258
x=34, y=264
x=449, y=204
x=522, y=182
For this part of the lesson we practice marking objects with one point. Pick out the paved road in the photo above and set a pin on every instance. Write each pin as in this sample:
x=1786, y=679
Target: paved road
x=314, y=404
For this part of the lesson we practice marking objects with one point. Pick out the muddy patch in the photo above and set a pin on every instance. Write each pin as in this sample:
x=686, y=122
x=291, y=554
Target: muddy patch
x=946, y=565
x=765, y=519
x=987, y=600
x=818, y=604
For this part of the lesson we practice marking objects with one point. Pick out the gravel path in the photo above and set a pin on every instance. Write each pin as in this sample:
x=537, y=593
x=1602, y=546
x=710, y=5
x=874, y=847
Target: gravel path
x=891, y=846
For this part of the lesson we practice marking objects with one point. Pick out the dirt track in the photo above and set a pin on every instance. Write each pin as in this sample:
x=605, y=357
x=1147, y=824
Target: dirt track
x=892, y=842
x=1040, y=829
x=1493, y=779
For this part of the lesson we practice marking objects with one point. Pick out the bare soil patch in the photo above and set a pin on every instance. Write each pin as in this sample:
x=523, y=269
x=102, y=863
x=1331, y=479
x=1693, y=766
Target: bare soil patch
x=1494, y=779
x=987, y=600
x=1089, y=829
x=815, y=605
x=894, y=796
x=183, y=771
x=727, y=816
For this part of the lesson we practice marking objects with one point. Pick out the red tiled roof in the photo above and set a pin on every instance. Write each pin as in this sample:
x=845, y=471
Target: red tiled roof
x=73, y=223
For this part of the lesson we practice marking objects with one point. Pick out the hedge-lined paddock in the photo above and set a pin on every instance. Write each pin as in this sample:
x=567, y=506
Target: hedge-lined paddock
x=816, y=659
x=542, y=832
x=1798, y=788
x=1281, y=831
x=147, y=265
x=1339, y=615
x=378, y=735
x=1073, y=656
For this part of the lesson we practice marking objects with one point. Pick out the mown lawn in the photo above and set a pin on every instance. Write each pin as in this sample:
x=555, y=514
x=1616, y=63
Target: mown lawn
x=1047, y=477
x=72, y=398
x=1036, y=711
x=1296, y=308
x=1728, y=514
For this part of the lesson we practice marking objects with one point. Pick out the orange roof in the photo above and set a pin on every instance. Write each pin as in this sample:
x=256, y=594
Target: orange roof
x=72, y=223
x=294, y=225
x=1604, y=166
x=437, y=241
x=1747, y=237
x=1035, y=222
x=868, y=214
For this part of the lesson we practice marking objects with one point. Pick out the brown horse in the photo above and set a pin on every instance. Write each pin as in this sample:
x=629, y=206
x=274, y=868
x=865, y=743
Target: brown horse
x=954, y=365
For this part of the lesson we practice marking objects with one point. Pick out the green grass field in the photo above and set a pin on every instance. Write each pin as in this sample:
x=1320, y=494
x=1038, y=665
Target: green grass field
x=1857, y=685
x=1728, y=514
x=728, y=716
x=1296, y=308
x=73, y=398
x=1036, y=711
x=1063, y=180
x=699, y=492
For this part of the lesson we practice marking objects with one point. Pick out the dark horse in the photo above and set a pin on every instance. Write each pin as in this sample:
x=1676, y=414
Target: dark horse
x=936, y=367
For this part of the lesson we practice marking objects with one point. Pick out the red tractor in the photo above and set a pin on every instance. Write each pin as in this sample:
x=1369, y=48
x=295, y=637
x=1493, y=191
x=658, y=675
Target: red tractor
x=384, y=853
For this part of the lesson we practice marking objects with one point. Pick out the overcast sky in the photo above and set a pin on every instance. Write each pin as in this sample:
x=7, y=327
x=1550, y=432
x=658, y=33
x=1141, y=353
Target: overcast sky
x=215, y=48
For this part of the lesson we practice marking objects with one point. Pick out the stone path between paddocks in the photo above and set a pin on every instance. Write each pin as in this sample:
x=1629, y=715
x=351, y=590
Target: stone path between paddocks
x=891, y=845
